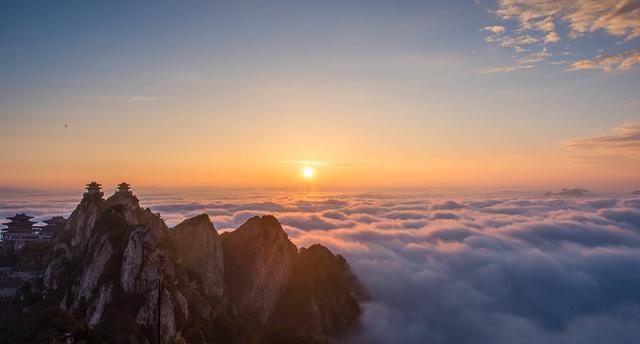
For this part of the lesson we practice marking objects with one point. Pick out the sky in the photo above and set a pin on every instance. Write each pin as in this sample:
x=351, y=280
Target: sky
x=384, y=94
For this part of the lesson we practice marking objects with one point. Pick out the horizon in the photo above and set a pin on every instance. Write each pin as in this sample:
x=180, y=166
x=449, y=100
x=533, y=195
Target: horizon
x=303, y=188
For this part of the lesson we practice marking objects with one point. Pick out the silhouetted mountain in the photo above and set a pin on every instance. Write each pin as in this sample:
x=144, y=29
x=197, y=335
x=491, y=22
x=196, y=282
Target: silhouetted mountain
x=118, y=274
x=637, y=192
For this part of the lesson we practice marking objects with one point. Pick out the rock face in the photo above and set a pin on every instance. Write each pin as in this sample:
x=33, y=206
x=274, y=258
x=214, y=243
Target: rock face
x=259, y=262
x=323, y=293
x=134, y=280
x=201, y=249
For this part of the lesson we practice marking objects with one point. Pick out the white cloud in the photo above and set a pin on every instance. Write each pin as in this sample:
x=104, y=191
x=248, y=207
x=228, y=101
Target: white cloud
x=497, y=29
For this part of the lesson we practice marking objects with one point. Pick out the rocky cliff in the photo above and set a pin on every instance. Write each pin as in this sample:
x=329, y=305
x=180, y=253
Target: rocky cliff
x=259, y=262
x=120, y=271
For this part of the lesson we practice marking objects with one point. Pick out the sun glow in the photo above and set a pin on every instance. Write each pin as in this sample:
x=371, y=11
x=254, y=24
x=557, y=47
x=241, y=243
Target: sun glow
x=307, y=172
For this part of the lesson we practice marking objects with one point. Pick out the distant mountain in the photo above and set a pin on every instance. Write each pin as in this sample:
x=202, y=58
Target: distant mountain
x=577, y=192
x=118, y=274
x=637, y=192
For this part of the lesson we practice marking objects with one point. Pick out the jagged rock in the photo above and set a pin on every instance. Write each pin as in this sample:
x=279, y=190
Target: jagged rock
x=104, y=296
x=146, y=268
x=54, y=274
x=258, y=262
x=83, y=290
x=323, y=294
x=80, y=224
x=201, y=249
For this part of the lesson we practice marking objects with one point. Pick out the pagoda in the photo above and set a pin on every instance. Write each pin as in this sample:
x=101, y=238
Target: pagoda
x=19, y=231
x=53, y=226
x=94, y=188
x=124, y=187
x=20, y=223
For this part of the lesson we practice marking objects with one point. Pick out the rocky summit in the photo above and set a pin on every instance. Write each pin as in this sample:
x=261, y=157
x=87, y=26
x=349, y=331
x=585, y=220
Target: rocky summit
x=117, y=274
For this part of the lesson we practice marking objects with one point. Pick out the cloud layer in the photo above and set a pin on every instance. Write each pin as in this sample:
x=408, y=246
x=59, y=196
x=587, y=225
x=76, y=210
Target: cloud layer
x=501, y=268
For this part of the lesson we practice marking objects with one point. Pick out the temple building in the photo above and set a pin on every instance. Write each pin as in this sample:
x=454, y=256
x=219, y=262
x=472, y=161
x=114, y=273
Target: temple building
x=94, y=188
x=124, y=187
x=19, y=231
x=53, y=225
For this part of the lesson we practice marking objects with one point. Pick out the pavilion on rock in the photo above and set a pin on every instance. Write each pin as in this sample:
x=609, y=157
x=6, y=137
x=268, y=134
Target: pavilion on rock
x=124, y=187
x=94, y=188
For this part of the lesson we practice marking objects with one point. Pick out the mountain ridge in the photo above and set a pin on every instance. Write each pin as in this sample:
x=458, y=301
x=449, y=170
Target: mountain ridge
x=126, y=277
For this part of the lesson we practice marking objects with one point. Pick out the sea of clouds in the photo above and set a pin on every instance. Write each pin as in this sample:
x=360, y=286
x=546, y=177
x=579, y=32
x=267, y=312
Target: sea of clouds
x=446, y=268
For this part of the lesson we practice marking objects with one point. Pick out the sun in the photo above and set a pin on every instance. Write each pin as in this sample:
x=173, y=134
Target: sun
x=307, y=172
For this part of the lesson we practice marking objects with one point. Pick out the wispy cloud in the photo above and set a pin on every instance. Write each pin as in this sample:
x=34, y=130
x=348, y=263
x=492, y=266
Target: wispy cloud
x=625, y=138
x=526, y=62
x=142, y=99
x=609, y=63
x=513, y=41
x=497, y=29
x=329, y=163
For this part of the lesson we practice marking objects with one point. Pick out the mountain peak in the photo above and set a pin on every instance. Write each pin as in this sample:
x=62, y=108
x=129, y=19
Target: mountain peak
x=198, y=221
x=125, y=198
x=262, y=226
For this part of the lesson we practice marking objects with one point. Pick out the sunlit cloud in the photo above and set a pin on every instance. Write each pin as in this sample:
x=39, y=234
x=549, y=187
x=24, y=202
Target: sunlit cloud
x=539, y=21
x=329, y=163
x=309, y=162
x=497, y=29
x=526, y=62
x=625, y=138
x=551, y=37
x=615, y=17
x=609, y=63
